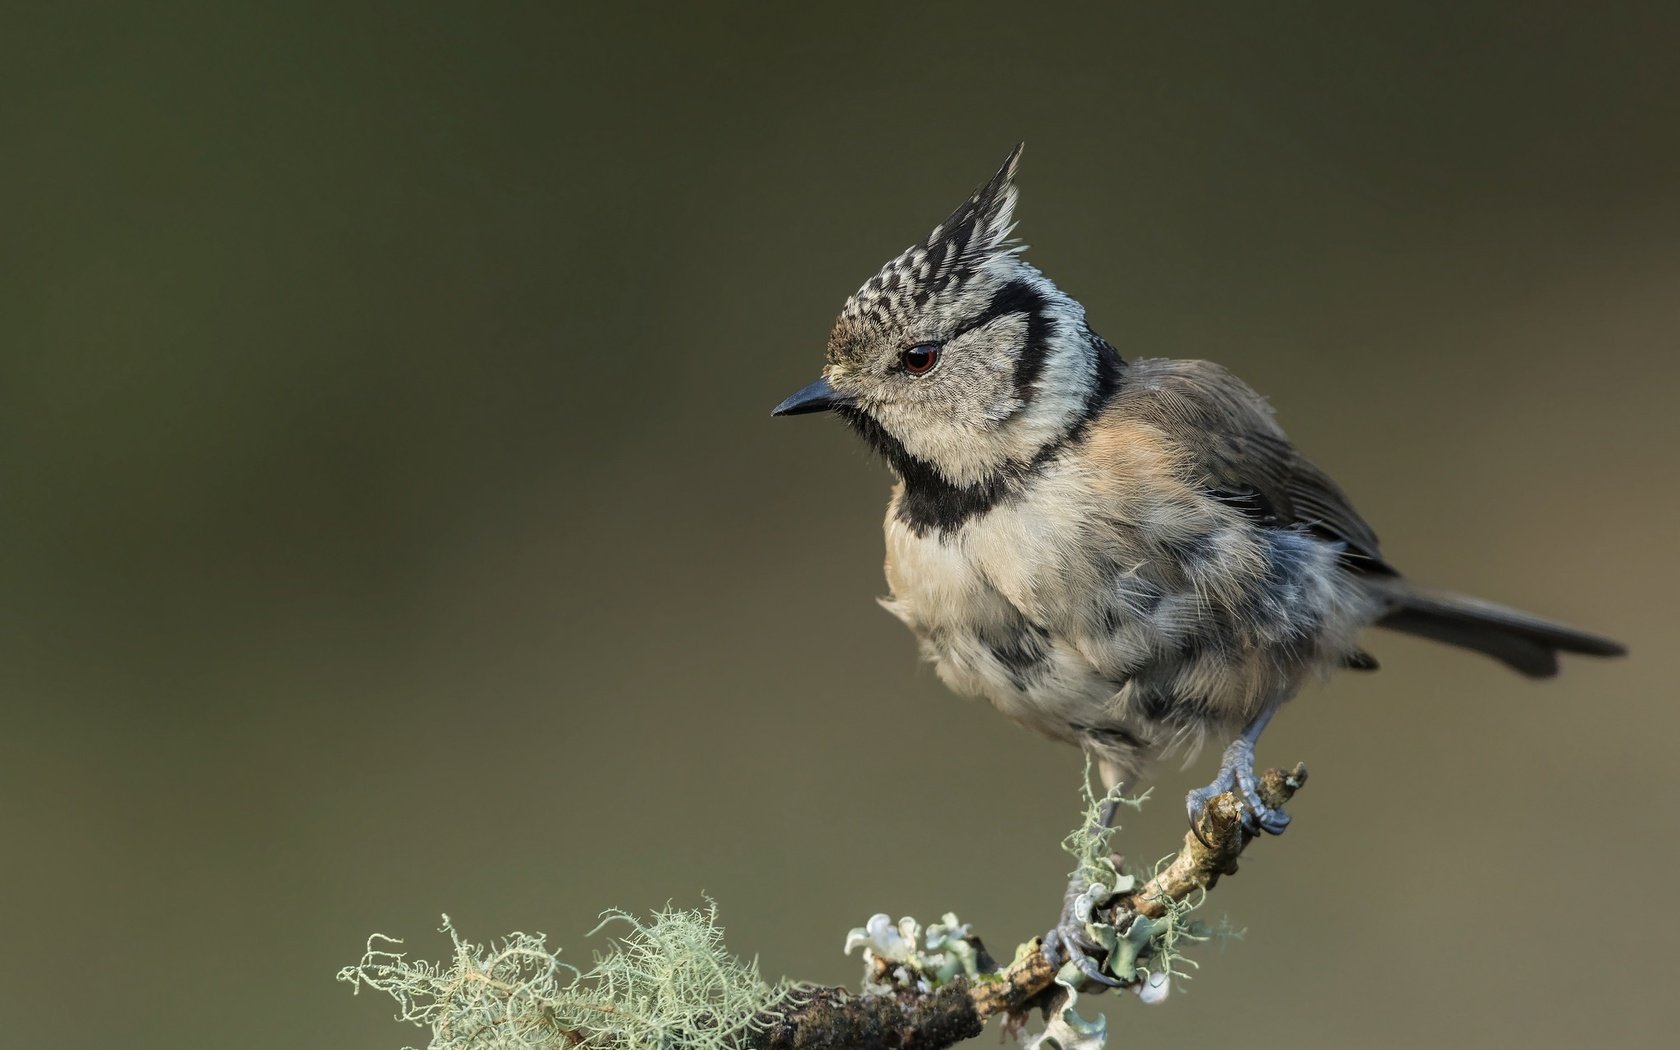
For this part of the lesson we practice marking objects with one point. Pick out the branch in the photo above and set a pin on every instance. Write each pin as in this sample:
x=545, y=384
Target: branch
x=817, y=1019
x=670, y=981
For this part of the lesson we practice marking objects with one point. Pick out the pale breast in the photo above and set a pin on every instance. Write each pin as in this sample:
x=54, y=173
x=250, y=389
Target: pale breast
x=985, y=642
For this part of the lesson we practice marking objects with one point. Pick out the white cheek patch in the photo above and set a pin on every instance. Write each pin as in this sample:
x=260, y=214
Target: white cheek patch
x=950, y=433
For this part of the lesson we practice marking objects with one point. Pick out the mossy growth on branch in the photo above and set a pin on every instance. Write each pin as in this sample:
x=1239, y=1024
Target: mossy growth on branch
x=669, y=982
x=1148, y=952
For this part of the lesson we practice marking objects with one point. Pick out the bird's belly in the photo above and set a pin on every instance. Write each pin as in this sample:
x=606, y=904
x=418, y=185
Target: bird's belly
x=1125, y=650
x=1035, y=679
x=982, y=644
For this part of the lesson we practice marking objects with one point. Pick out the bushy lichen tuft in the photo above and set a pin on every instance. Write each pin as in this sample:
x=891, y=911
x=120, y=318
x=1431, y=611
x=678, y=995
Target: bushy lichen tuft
x=1088, y=843
x=1167, y=937
x=666, y=983
x=674, y=983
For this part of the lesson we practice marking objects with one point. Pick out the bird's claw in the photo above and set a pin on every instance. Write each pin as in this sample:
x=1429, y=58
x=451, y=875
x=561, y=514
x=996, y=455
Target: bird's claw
x=1069, y=942
x=1236, y=773
x=1072, y=943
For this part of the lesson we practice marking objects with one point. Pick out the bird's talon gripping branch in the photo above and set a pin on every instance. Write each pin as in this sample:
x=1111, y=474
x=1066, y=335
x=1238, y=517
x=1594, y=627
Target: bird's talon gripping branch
x=1196, y=804
x=1071, y=940
x=1236, y=774
x=1069, y=943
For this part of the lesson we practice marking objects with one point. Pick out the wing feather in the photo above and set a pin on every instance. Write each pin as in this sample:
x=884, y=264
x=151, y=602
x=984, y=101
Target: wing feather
x=1242, y=454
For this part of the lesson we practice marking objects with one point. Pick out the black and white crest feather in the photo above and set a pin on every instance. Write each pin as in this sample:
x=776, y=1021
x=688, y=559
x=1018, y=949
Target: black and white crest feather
x=974, y=236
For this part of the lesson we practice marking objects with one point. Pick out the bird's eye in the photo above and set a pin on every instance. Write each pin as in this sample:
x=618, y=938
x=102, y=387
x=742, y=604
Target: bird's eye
x=920, y=359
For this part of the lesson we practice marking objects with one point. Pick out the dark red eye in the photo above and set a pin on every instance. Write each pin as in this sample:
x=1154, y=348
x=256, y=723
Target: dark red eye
x=919, y=360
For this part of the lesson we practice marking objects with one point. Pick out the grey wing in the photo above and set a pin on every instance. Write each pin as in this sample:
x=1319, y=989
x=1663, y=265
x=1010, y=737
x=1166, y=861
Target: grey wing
x=1301, y=494
x=1245, y=457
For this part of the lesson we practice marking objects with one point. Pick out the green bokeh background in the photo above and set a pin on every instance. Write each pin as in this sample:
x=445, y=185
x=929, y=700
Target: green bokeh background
x=393, y=523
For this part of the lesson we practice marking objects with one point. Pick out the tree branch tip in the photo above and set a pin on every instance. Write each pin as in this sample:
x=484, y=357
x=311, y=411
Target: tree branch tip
x=1278, y=786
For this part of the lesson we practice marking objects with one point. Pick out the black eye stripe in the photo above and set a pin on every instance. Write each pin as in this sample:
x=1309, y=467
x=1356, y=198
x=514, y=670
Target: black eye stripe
x=1016, y=297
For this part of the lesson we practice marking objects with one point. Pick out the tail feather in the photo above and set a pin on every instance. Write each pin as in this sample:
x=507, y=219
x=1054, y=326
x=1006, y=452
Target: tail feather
x=1526, y=643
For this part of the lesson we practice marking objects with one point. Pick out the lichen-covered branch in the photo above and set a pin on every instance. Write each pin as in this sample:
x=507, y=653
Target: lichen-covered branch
x=943, y=1018
x=671, y=983
x=1213, y=850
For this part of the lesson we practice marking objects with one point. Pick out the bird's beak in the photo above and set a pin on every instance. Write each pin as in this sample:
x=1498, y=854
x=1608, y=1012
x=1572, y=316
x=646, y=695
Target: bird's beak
x=818, y=397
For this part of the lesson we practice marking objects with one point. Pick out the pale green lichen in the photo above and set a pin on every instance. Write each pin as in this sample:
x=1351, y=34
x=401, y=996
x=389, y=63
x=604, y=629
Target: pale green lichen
x=1066, y=1030
x=666, y=983
x=1088, y=843
x=913, y=960
x=1149, y=953
x=1167, y=934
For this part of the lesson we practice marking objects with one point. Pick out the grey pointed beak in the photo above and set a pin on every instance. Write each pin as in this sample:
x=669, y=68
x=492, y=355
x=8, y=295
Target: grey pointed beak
x=818, y=397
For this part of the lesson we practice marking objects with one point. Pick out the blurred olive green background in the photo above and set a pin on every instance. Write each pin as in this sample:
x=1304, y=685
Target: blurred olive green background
x=393, y=523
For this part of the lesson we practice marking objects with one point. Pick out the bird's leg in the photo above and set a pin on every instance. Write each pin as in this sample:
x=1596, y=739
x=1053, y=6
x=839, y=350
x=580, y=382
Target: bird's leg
x=1236, y=773
x=1070, y=940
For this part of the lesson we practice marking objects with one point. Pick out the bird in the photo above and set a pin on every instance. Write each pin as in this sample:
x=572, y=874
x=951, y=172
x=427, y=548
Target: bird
x=1124, y=553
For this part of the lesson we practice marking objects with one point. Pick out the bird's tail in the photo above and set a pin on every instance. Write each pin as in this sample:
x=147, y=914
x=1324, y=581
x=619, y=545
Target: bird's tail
x=1520, y=641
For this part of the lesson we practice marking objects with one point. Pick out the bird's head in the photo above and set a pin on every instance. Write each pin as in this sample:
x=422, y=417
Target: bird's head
x=958, y=356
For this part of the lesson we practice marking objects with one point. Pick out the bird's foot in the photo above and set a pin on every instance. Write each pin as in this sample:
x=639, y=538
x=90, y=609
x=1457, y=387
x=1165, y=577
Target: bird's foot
x=1236, y=773
x=1072, y=941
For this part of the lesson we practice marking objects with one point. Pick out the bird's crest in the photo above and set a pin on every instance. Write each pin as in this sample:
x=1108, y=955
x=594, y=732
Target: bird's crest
x=963, y=246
